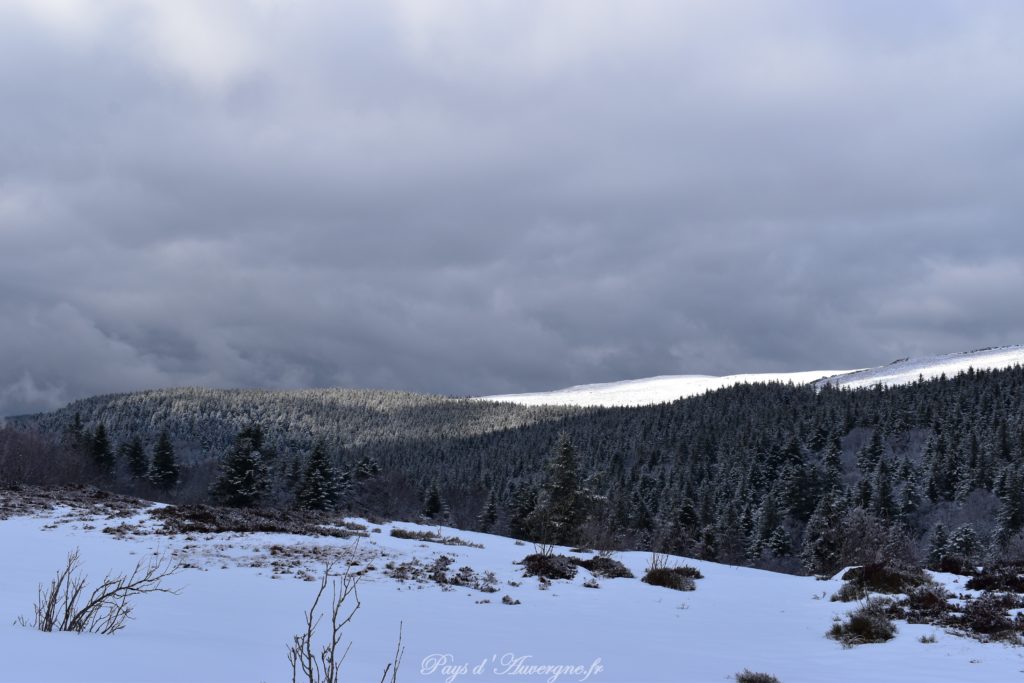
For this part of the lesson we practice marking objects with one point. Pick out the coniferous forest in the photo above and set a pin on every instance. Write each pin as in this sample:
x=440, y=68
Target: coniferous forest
x=778, y=476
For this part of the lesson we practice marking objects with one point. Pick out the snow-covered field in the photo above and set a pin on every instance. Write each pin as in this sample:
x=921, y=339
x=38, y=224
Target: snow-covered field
x=664, y=389
x=671, y=387
x=238, y=609
x=930, y=367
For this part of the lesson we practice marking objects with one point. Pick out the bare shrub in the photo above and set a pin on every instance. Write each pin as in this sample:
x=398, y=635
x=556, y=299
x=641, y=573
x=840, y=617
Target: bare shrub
x=748, y=676
x=676, y=578
x=669, y=578
x=431, y=537
x=65, y=605
x=868, y=624
x=604, y=567
x=880, y=577
x=549, y=566
x=323, y=664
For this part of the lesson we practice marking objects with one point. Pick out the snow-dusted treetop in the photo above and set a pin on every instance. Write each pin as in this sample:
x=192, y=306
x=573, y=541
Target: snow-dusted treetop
x=671, y=387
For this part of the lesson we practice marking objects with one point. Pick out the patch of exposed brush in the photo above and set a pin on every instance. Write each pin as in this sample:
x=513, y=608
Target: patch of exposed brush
x=986, y=617
x=431, y=537
x=669, y=577
x=869, y=623
x=84, y=502
x=439, y=571
x=1003, y=578
x=604, y=567
x=748, y=676
x=880, y=578
x=210, y=519
x=679, y=578
x=549, y=566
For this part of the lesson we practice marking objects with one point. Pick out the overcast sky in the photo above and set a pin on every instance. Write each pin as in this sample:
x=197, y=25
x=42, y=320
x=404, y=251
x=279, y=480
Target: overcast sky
x=486, y=197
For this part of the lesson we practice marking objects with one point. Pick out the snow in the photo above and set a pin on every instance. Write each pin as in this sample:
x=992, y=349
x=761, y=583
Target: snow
x=668, y=388
x=664, y=389
x=232, y=620
x=930, y=367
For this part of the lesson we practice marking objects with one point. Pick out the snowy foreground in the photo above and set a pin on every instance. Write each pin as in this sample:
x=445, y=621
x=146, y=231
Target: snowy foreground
x=238, y=609
x=669, y=388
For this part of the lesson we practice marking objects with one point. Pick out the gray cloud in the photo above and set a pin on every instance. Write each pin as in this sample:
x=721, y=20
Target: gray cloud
x=489, y=197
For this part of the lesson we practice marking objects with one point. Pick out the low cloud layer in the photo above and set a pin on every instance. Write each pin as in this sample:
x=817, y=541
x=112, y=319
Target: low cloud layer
x=487, y=197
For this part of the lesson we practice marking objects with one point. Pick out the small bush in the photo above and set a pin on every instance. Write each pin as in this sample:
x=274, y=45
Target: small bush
x=868, y=624
x=928, y=600
x=849, y=592
x=670, y=578
x=604, y=567
x=549, y=566
x=927, y=640
x=883, y=578
x=748, y=676
x=431, y=537
x=1007, y=578
x=986, y=615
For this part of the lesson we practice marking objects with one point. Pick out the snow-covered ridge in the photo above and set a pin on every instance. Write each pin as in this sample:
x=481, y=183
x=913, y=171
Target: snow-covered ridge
x=668, y=388
x=908, y=370
x=664, y=389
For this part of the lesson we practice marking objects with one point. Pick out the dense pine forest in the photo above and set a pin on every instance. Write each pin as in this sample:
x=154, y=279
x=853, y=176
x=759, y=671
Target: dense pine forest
x=771, y=475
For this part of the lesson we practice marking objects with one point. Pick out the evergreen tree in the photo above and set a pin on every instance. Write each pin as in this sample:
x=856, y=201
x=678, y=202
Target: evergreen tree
x=489, y=515
x=871, y=453
x=432, y=503
x=243, y=478
x=881, y=492
x=136, y=459
x=833, y=466
x=823, y=536
x=102, y=454
x=1010, y=516
x=319, y=490
x=163, y=473
x=937, y=546
x=521, y=514
x=565, y=506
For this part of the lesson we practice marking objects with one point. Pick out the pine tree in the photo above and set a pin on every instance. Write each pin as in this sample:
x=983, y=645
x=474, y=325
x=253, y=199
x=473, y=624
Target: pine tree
x=881, y=492
x=823, y=536
x=243, y=478
x=102, y=454
x=489, y=514
x=564, y=509
x=432, y=503
x=833, y=466
x=937, y=546
x=163, y=473
x=1010, y=516
x=524, y=504
x=136, y=459
x=871, y=453
x=319, y=490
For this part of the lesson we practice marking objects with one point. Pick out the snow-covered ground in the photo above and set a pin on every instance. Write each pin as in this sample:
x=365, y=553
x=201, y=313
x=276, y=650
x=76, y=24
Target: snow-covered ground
x=671, y=387
x=664, y=389
x=930, y=367
x=237, y=610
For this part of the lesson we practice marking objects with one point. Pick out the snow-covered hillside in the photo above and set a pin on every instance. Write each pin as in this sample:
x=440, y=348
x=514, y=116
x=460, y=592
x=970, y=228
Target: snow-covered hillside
x=664, y=389
x=243, y=597
x=671, y=387
x=909, y=370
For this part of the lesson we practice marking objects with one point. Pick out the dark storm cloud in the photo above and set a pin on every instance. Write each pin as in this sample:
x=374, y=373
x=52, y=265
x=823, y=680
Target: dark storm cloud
x=491, y=197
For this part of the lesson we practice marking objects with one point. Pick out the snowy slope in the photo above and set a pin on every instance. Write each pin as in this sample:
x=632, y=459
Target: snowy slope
x=671, y=387
x=930, y=367
x=236, y=612
x=662, y=389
